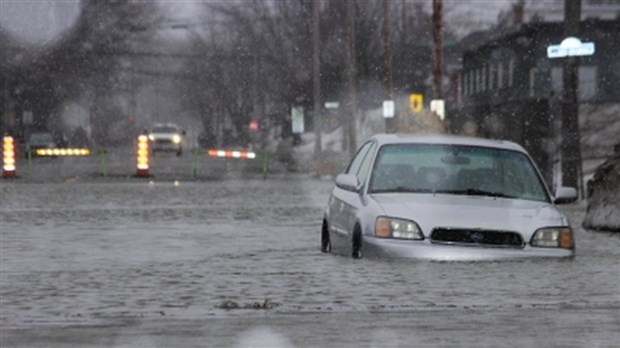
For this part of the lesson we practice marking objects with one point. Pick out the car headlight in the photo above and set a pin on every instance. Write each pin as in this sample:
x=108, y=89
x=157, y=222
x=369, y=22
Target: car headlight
x=176, y=138
x=553, y=237
x=386, y=227
x=151, y=137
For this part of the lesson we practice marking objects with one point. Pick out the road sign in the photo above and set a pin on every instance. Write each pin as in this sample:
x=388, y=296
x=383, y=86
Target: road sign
x=416, y=102
x=332, y=105
x=570, y=47
x=438, y=106
x=388, y=108
x=297, y=119
x=27, y=117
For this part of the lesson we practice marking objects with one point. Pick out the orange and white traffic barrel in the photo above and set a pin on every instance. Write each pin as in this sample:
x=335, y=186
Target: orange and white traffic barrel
x=142, y=156
x=231, y=154
x=8, y=156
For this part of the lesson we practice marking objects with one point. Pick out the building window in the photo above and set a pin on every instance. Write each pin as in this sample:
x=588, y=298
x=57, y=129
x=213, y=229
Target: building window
x=458, y=93
x=500, y=75
x=511, y=68
x=476, y=80
x=556, y=79
x=533, y=73
x=475, y=84
x=468, y=76
x=587, y=81
x=493, y=77
x=464, y=82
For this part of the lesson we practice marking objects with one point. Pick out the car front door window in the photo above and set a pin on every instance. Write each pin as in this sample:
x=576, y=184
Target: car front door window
x=366, y=164
x=356, y=163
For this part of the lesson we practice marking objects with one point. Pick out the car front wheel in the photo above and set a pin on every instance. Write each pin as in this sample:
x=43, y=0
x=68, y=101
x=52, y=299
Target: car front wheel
x=356, y=247
x=326, y=245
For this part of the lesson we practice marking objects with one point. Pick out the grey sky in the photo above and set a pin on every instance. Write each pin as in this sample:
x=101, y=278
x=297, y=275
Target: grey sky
x=38, y=22
x=41, y=21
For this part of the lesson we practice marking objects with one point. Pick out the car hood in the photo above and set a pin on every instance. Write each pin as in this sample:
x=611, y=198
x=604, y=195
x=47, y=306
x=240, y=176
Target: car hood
x=166, y=136
x=476, y=212
x=37, y=143
x=41, y=144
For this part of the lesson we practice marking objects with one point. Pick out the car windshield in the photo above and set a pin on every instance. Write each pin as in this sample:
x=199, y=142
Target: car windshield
x=460, y=170
x=41, y=138
x=164, y=130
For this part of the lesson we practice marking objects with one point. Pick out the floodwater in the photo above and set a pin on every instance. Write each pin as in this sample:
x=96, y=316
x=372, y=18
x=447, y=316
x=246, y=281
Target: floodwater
x=94, y=262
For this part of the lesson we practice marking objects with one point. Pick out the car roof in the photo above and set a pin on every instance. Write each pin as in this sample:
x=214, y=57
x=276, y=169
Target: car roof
x=445, y=139
x=165, y=125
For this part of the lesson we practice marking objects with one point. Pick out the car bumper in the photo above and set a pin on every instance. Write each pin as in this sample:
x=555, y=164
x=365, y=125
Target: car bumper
x=426, y=250
x=166, y=147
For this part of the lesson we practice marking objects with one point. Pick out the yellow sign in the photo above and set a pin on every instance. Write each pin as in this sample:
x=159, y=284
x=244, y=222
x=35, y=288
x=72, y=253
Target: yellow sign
x=416, y=102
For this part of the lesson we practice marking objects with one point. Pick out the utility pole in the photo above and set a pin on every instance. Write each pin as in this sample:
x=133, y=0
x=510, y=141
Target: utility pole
x=391, y=123
x=316, y=66
x=571, y=140
x=255, y=98
x=438, y=49
x=351, y=72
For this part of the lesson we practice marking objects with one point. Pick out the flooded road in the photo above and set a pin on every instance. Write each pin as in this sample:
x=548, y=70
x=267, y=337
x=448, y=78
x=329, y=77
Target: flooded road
x=125, y=263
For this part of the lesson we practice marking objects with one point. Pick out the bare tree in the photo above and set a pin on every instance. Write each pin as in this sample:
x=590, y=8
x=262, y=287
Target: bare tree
x=88, y=56
x=259, y=60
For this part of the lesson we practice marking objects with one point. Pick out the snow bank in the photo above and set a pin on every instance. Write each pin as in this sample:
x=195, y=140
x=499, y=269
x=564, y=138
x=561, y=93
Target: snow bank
x=603, y=212
x=334, y=157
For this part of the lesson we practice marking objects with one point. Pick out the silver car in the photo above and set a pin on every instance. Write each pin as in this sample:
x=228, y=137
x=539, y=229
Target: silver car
x=445, y=198
x=167, y=138
x=41, y=139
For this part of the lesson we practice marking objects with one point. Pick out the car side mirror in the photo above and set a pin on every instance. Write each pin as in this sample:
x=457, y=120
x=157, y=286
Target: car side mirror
x=348, y=182
x=565, y=195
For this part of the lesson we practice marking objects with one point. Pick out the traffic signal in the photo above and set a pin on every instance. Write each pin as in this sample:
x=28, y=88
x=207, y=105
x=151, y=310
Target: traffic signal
x=253, y=126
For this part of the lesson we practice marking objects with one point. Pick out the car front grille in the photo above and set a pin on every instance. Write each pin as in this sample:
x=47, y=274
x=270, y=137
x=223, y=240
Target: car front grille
x=474, y=237
x=163, y=141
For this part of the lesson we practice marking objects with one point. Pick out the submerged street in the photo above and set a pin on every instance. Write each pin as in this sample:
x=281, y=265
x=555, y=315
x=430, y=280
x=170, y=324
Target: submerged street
x=166, y=168
x=113, y=262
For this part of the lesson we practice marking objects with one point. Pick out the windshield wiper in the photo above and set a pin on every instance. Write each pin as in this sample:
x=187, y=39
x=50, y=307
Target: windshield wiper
x=476, y=192
x=401, y=189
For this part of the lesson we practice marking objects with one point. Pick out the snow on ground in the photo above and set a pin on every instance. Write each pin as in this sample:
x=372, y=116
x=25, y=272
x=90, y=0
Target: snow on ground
x=334, y=157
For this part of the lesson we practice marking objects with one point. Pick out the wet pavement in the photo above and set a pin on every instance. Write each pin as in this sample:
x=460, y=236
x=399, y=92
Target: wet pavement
x=108, y=262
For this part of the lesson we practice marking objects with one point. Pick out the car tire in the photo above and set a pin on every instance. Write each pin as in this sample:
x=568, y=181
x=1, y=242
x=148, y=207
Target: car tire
x=326, y=244
x=356, y=243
